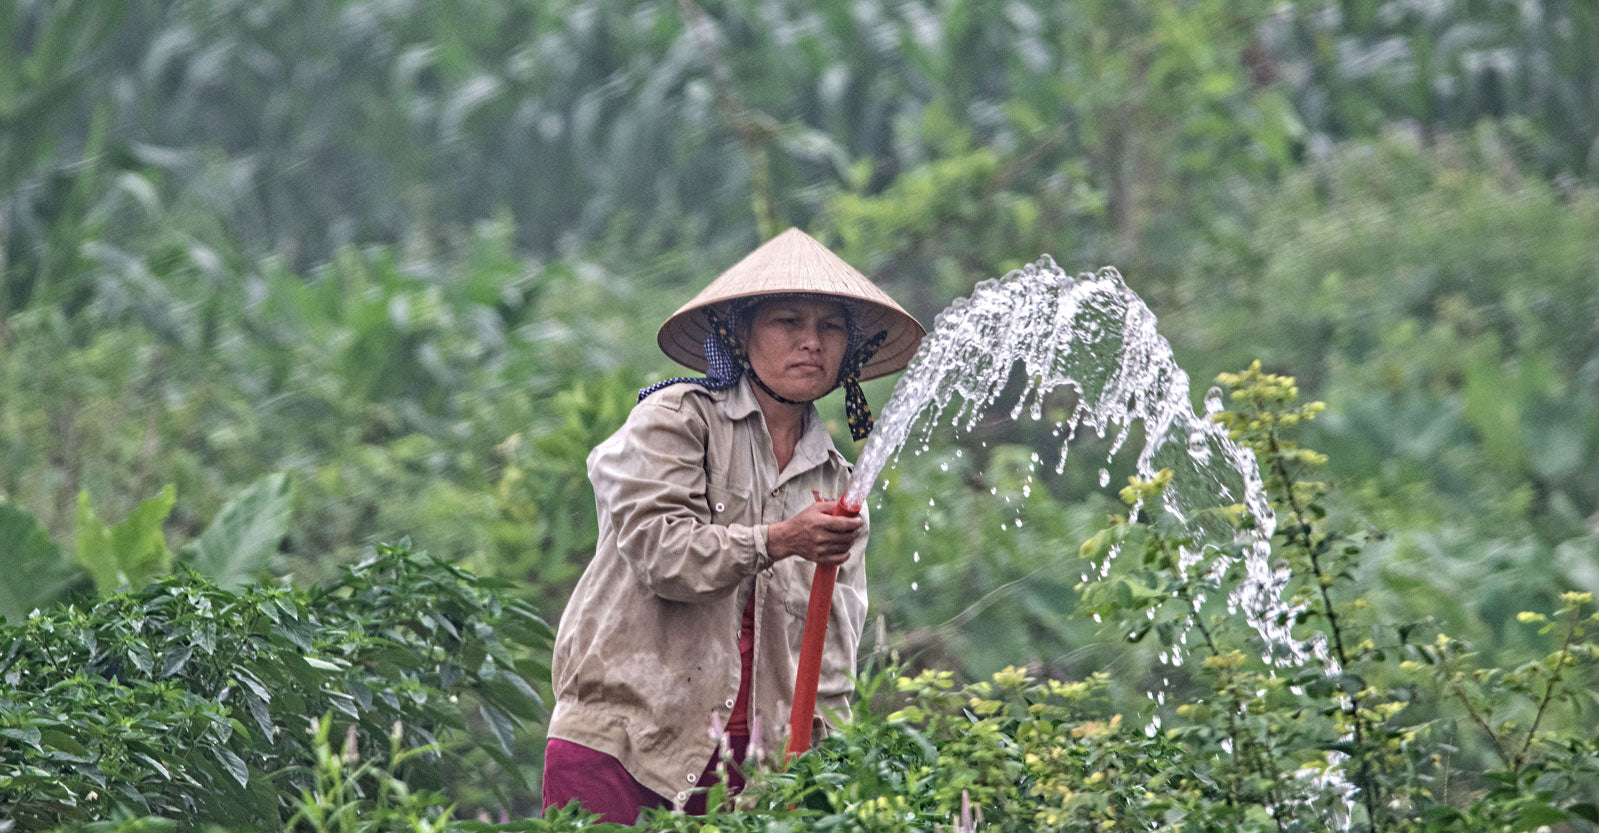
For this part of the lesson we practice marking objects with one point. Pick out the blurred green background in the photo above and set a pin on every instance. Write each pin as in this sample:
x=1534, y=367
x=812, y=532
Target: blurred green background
x=412, y=256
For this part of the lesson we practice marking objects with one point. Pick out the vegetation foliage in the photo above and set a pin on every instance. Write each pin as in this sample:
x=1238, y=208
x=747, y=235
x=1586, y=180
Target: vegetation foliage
x=1379, y=726
x=192, y=702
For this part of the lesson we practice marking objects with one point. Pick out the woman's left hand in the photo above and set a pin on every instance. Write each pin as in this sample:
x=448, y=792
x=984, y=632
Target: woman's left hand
x=815, y=534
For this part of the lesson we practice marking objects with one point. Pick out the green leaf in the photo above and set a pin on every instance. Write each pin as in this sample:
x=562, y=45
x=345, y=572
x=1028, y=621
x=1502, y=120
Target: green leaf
x=258, y=710
x=243, y=538
x=323, y=664
x=154, y=764
x=233, y=764
x=27, y=734
x=176, y=659
x=500, y=724
x=512, y=694
x=36, y=574
x=129, y=553
x=59, y=740
x=255, y=686
x=1537, y=816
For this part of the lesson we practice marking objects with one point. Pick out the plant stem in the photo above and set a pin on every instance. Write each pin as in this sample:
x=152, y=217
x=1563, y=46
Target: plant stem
x=1471, y=712
x=1261, y=760
x=1548, y=692
x=1302, y=530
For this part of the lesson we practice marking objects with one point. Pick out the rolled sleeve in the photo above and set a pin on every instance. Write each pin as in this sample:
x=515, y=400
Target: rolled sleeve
x=650, y=488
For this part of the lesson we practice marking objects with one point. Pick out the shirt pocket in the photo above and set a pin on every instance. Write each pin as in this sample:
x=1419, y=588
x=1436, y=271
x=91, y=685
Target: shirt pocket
x=727, y=505
x=791, y=581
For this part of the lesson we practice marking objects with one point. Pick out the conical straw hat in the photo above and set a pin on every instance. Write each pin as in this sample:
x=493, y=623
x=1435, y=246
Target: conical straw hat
x=795, y=262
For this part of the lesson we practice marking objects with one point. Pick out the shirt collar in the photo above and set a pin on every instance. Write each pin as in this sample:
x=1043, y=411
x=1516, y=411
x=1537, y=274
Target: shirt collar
x=815, y=444
x=740, y=401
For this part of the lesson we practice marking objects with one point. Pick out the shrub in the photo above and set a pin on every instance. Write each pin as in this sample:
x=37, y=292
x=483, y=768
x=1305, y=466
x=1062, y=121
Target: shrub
x=191, y=702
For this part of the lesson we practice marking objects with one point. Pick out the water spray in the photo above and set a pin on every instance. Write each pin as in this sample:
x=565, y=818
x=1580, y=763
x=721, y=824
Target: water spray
x=1094, y=336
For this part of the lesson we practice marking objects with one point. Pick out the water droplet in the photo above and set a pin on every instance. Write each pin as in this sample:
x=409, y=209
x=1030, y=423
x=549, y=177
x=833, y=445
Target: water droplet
x=1018, y=522
x=1104, y=478
x=915, y=586
x=916, y=556
x=943, y=467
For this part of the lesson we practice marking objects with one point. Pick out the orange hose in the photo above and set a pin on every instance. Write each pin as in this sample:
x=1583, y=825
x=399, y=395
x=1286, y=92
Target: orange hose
x=809, y=673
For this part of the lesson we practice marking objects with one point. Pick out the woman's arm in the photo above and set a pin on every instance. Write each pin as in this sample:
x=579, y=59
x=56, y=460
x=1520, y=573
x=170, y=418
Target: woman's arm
x=650, y=488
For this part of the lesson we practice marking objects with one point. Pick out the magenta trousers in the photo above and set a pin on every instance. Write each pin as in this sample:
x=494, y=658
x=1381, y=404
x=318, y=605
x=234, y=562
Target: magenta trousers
x=573, y=772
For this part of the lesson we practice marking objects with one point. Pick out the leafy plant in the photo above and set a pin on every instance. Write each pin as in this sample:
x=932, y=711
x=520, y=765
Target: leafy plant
x=239, y=545
x=190, y=701
x=126, y=554
x=39, y=573
x=242, y=541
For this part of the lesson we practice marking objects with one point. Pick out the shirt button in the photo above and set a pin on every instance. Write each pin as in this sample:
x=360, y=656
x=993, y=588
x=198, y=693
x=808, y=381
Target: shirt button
x=730, y=704
x=775, y=491
x=692, y=778
x=681, y=796
x=720, y=507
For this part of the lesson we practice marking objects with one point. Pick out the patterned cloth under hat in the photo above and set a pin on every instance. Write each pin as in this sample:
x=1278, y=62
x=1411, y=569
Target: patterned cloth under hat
x=703, y=333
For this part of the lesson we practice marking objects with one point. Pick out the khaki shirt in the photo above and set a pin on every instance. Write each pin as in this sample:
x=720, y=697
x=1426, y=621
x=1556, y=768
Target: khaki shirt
x=646, y=655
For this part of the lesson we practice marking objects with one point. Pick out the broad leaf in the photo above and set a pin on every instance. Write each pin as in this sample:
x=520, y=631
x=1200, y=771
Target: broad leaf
x=130, y=553
x=233, y=763
x=242, y=540
x=37, y=573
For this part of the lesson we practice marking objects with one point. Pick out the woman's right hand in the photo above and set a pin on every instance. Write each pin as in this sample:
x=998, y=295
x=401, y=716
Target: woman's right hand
x=814, y=534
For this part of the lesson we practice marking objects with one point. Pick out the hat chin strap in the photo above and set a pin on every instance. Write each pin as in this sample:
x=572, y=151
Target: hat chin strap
x=755, y=377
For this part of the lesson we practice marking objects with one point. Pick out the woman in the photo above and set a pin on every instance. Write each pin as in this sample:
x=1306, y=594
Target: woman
x=714, y=504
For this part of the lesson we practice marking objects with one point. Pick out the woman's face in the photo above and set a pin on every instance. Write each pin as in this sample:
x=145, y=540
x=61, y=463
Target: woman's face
x=796, y=345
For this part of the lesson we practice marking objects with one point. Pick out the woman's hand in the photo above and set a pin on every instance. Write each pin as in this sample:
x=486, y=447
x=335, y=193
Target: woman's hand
x=815, y=534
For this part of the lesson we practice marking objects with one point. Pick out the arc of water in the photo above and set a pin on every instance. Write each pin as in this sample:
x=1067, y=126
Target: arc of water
x=1093, y=335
